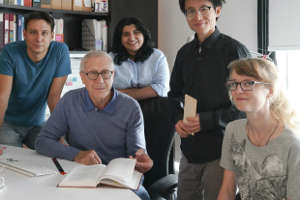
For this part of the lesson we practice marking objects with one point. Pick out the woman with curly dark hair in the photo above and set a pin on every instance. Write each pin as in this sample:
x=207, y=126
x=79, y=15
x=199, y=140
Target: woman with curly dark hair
x=141, y=70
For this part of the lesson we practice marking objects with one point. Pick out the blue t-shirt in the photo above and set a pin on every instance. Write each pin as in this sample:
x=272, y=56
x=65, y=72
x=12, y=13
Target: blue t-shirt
x=31, y=81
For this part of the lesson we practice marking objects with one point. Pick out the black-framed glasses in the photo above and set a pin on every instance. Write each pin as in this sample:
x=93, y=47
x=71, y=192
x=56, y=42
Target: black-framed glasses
x=246, y=85
x=192, y=12
x=93, y=75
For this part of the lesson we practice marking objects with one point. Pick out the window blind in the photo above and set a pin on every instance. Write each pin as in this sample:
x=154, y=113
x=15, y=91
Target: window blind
x=284, y=24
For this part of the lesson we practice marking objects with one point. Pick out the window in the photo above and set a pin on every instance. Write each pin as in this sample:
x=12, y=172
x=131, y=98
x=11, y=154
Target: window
x=289, y=70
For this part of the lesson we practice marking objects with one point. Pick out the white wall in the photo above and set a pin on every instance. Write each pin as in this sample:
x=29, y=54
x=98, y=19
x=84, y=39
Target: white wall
x=173, y=29
x=238, y=19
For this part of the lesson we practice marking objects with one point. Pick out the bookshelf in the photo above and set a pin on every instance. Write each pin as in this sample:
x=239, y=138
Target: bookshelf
x=72, y=21
x=146, y=10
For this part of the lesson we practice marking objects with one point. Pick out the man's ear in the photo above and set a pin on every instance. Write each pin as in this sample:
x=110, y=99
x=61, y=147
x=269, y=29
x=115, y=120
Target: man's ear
x=82, y=77
x=218, y=11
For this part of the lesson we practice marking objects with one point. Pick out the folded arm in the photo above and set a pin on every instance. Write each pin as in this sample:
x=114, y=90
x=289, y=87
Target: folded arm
x=159, y=85
x=140, y=93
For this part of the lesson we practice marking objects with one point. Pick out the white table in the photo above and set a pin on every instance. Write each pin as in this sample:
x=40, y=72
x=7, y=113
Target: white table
x=19, y=186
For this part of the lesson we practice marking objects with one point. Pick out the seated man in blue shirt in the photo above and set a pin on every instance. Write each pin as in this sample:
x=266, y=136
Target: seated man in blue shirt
x=99, y=122
x=32, y=72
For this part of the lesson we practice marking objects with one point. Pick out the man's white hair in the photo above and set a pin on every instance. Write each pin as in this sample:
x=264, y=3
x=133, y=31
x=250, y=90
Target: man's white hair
x=95, y=53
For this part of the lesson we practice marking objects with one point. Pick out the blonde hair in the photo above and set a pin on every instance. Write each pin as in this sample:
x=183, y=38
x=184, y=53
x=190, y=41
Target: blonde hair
x=265, y=71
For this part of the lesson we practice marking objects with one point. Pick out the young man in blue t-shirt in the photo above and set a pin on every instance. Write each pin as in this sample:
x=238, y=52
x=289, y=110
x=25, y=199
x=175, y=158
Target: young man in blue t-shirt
x=32, y=72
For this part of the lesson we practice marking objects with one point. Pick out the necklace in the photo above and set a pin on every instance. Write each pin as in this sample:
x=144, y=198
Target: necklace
x=250, y=130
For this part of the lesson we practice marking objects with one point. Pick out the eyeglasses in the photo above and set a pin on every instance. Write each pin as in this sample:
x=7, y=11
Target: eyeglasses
x=246, y=85
x=93, y=75
x=192, y=12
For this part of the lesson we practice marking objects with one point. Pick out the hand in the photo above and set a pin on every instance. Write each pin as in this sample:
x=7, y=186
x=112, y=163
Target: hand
x=192, y=125
x=143, y=161
x=89, y=157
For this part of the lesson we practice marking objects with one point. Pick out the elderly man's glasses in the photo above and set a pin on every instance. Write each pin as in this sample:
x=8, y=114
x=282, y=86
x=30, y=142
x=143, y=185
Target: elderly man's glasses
x=93, y=75
x=192, y=12
x=246, y=85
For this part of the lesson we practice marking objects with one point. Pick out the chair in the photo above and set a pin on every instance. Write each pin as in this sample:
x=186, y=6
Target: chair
x=160, y=181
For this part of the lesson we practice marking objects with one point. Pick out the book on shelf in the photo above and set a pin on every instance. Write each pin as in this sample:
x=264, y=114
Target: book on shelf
x=59, y=30
x=20, y=2
x=104, y=34
x=45, y=4
x=6, y=28
x=26, y=161
x=12, y=27
x=20, y=27
x=36, y=3
x=119, y=172
x=94, y=34
x=28, y=3
x=100, y=6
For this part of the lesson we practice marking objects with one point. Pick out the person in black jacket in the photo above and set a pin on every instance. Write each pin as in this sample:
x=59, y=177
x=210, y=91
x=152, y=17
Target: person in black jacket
x=200, y=70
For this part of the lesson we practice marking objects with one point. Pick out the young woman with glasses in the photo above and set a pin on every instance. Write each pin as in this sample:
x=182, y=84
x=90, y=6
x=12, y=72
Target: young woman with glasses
x=260, y=154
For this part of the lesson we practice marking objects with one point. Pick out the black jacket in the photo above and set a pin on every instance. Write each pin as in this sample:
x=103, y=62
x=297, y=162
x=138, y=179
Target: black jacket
x=202, y=74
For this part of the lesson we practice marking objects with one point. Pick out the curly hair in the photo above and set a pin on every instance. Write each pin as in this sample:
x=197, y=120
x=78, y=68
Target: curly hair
x=215, y=3
x=121, y=53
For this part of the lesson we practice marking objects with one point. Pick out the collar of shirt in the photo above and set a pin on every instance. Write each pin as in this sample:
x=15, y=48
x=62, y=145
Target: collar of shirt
x=89, y=105
x=208, y=42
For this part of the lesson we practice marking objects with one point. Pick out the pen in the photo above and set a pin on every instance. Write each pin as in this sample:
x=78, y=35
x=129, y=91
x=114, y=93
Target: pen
x=58, y=166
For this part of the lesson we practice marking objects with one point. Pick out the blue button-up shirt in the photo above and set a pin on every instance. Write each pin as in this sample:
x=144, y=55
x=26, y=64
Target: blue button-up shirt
x=153, y=72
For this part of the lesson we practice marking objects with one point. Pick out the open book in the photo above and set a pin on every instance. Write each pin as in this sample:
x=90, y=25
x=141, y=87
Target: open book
x=26, y=161
x=119, y=172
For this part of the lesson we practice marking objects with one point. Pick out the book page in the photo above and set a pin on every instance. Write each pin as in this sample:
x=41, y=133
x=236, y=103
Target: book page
x=27, y=162
x=132, y=183
x=83, y=176
x=120, y=170
x=190, y=107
